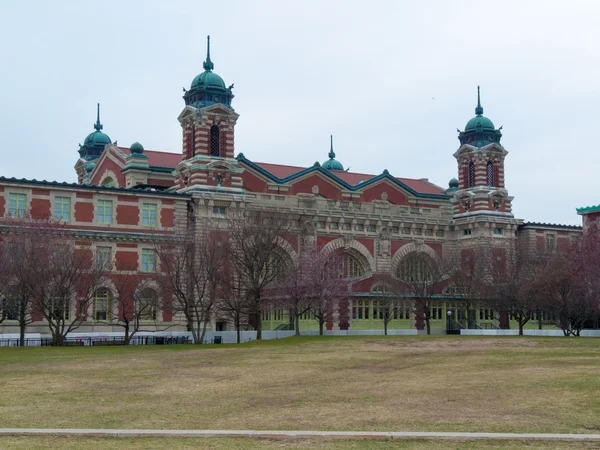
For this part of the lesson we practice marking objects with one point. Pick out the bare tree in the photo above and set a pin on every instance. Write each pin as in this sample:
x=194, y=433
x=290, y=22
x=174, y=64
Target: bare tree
x=513, y=287
x=190, y=265
x=235, y=303
x=66, y=282
x=469, y=274
x=420, y=277
x=326, y=287
x=257, y=259
x=135, y=305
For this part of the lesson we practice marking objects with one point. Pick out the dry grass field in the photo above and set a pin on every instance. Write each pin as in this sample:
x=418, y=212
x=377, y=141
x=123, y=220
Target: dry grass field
x=70, y=443
x=414, y=383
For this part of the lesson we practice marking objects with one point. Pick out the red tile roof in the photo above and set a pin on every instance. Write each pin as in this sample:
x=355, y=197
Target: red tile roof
x=352, y=178
x=160, y=159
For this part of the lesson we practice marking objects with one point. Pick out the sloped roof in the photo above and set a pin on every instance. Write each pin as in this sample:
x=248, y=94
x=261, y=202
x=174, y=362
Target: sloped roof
x=157, y=158
x=351, y=178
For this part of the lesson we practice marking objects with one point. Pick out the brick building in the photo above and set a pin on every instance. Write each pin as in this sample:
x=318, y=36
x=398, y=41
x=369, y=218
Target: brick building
x=375, y=221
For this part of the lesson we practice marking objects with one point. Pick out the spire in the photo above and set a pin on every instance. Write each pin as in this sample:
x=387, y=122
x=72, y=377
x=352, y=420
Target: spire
x=98, y=125
x=208, y=65
x=479, y=109
x=331, y=152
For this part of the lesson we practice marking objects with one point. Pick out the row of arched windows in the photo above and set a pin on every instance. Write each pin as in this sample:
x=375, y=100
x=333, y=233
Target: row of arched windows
x=490, y=173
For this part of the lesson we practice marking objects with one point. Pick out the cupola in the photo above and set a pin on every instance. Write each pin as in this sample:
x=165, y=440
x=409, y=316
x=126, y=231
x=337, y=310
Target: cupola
x=94, y=143
x=331, y=163
x=479, y=131
x=208, y=88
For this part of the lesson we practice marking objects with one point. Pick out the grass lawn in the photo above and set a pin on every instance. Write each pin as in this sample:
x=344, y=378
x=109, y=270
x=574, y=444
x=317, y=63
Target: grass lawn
x=76, y=443
x=405, y=383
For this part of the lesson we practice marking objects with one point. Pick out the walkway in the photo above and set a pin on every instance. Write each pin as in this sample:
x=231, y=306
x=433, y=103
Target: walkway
x=295, y=434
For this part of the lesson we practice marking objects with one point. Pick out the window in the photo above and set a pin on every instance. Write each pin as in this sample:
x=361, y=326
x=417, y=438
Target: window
x=9, y=307
x=104, y=257
x=104, y=211
x=405, y=230
x=550, y=243
x=149, y=214
x=499, y=231
x=60, y=308
x=345, y=265
x=319, y=225
x=62, y=208
x=215, y=145
x=219, y=211
x=147, y=300
x=101, y=304
x=466, y=232
x=416, y=267
x=148, y=260
x=490, y=173
x=428, y=232
x=360, y=310
x=371, y=228
x=346, y=226
x=17, y=204
x=471, y=174
x=108, y=182
x=436, y=312
x=417, y=231
x=439, y=233
x=358, y=227
x=395, y=230
x=333, y=226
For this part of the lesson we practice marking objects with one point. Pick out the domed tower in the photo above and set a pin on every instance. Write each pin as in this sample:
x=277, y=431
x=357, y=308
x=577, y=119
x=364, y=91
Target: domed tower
x=331, y=163
x=208, y=124
x=480, y=160
x=94, y=143
x=90, y=151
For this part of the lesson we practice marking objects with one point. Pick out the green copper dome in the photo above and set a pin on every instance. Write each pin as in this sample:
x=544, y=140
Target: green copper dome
x=94, y=143
x=479, y=131
x=453, y=183
x=208, y=88
x=331, y=163
x=479, y=122
x=136, y=147
x=208, y=80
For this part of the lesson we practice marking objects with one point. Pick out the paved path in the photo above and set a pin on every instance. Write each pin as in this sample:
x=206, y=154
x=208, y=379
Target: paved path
x=295, y=434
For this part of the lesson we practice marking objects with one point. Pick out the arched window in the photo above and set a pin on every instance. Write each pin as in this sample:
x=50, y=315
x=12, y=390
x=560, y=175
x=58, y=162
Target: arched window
x=471, y=174
x=416, y=267
x=146, y=304
x=108, y=182
x=215, y=145
x=191, y=143
x=345, y=265
x=102, y=304
x=490, y=173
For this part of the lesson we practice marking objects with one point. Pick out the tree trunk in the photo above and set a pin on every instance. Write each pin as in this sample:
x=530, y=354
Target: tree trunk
x=385, y=327
x=521, y=328
x=258, y=327
x=126, y=337
x=22, y=327
x=297, y=324
x=428, y=324
x=321, y=323
x=237, y=329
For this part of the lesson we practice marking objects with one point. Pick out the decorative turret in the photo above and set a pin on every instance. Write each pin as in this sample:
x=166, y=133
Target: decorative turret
x=480, y=186
x=480, y=130
x=331, y=163
x=94, y=143
x=208, y=88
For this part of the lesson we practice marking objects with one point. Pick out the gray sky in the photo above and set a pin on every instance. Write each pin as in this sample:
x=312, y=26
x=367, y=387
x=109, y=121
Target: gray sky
x=366, y=72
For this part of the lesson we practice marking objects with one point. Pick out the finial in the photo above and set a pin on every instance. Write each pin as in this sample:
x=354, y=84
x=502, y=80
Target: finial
x=331, y=152
x=479, y=109
x=208, y=64
x=98, y=125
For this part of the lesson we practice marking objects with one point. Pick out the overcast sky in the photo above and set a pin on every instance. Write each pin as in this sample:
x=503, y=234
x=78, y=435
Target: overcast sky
x=391, y=80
